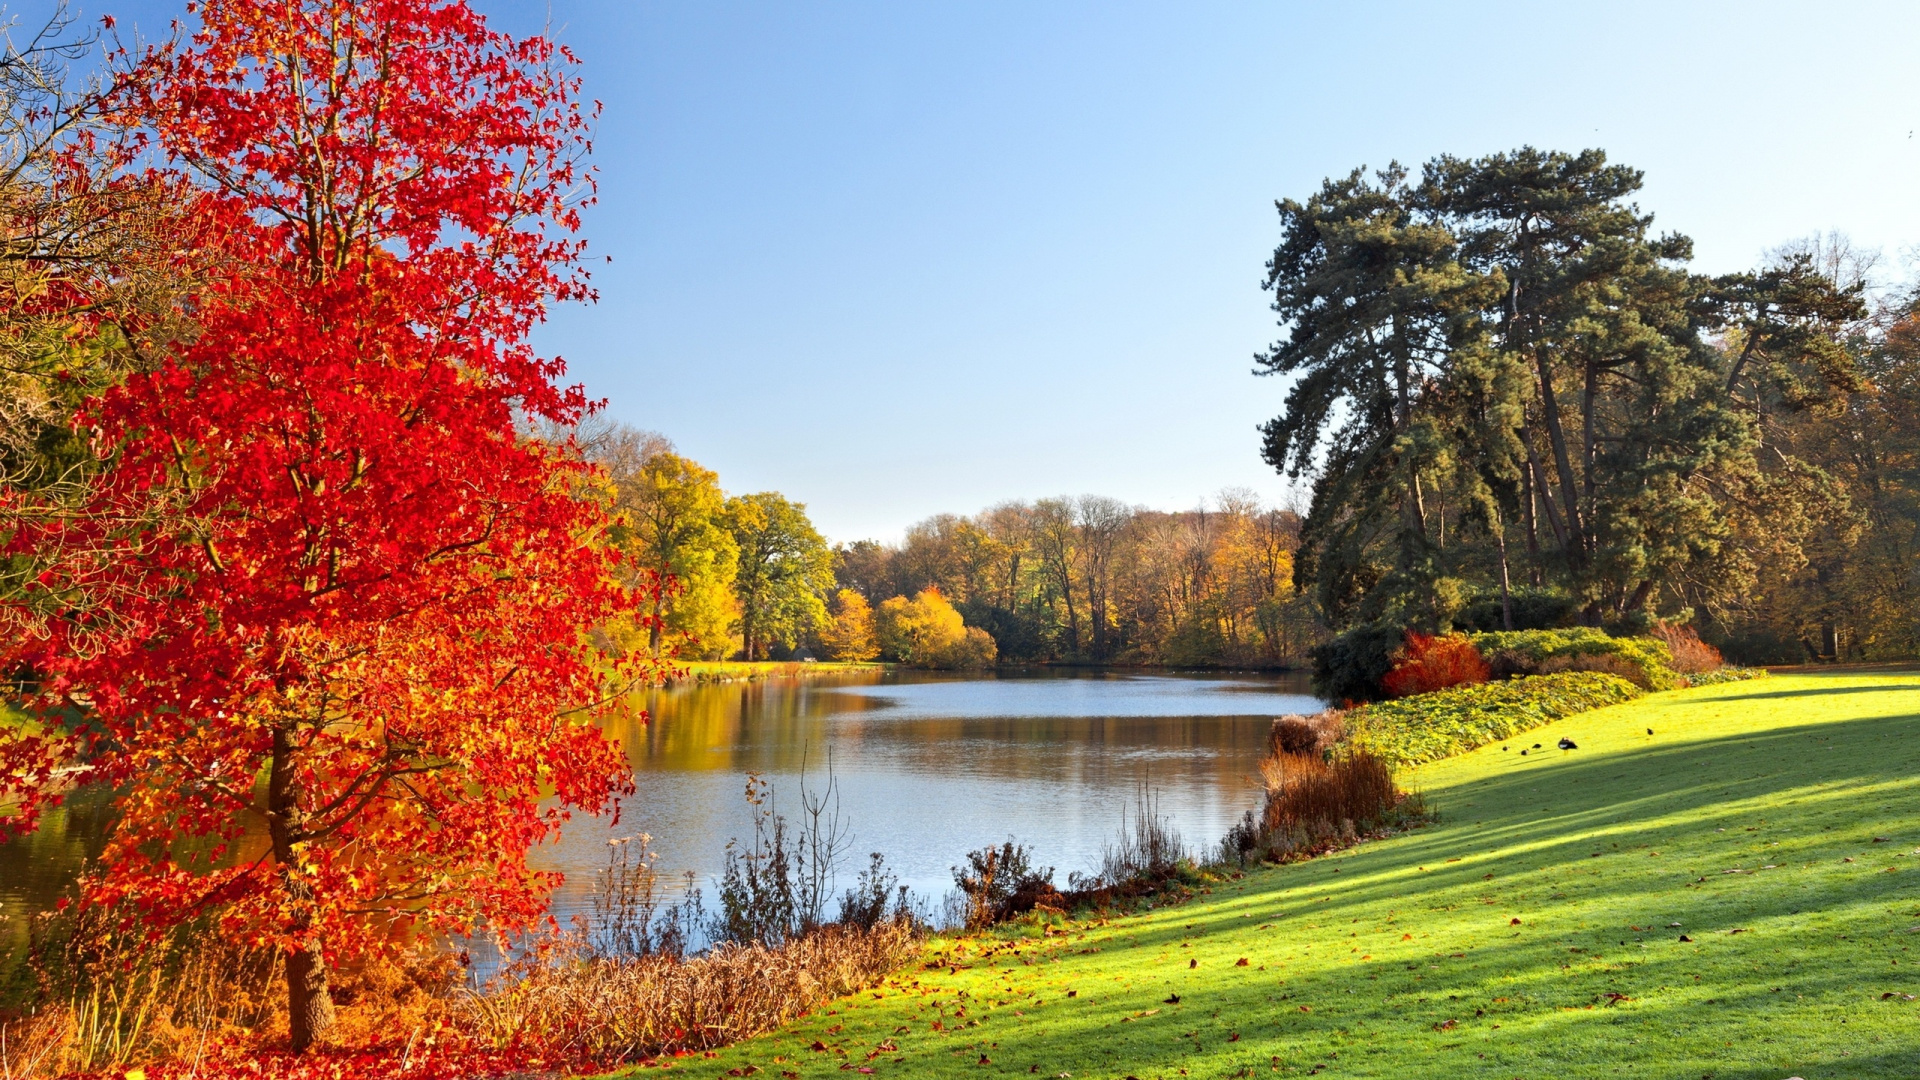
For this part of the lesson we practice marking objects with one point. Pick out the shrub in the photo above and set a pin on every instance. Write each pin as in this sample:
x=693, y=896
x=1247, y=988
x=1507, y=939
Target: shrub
x=1526, y=652
x=866, y=905
x=927, y=631
x=1605, y=663
x=1691, y=656
x=1727, y=675
x=1427, y=727
x=1349, y=667
x=1533, y=609
x=995, y=881
x=1429, y=663
x=975, y=649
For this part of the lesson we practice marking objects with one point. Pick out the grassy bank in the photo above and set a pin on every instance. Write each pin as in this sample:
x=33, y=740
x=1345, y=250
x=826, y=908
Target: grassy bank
x=1527, y=933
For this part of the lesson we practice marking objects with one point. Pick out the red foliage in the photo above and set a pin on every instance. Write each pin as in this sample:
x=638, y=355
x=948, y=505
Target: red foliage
x=341, y=687
x=1430, y=663
x=1691, y=656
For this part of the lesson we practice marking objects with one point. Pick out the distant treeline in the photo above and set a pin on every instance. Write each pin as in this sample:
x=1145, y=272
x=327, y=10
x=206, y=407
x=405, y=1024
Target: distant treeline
x=1093, y=580
x=1086, y=579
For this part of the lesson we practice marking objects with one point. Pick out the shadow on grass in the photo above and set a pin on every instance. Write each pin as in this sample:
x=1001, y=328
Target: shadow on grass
x=1810, y=692
x=1812, y=957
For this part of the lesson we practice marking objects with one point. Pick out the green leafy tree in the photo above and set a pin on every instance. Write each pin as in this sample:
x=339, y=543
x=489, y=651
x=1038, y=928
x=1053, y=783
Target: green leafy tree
x=672, y=529
x=783, y=568
x=1377, y=304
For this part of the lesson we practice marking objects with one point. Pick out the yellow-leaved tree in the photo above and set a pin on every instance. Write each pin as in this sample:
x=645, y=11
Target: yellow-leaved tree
x=927, y=631
x=849, y=634
x=670, y=511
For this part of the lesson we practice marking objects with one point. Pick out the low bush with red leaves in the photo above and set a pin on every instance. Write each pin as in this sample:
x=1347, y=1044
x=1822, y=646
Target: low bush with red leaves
x=1428, y=663
x=1691, y=656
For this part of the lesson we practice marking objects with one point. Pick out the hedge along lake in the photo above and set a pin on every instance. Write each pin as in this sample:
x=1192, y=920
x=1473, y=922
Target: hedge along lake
x=926, y=767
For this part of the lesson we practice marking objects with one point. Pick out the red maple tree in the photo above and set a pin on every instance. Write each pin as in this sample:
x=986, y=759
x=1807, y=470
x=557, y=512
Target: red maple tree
x=341, y=687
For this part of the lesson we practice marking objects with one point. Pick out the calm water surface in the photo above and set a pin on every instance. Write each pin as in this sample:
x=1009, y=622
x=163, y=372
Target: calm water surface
x=927, y=767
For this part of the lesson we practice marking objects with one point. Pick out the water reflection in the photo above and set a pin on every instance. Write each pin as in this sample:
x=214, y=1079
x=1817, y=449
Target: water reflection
x=928, y=766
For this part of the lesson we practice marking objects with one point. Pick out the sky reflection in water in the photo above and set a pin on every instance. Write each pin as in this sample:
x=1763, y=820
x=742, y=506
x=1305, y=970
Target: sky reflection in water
x=931, y=766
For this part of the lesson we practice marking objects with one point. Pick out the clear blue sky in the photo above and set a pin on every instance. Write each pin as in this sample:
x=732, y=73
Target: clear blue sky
x=900, y=258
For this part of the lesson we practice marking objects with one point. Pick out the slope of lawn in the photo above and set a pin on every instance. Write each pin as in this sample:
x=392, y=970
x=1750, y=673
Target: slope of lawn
x=1528, y=932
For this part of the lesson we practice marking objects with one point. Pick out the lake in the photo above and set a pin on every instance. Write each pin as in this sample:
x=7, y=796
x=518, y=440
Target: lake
x=927, y=767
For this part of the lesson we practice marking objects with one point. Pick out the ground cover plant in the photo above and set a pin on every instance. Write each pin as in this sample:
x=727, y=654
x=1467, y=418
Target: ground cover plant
x=1428, y=727
x=1725, y=897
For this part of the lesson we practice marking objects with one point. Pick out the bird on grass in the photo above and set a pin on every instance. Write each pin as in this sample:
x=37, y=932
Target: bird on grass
x=1569, y=744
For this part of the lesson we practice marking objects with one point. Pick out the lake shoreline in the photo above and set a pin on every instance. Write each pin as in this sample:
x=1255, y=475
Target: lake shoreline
x=725, y=671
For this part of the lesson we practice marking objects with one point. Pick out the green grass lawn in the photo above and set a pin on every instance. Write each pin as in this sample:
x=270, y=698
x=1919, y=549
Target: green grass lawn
x=1528, y=932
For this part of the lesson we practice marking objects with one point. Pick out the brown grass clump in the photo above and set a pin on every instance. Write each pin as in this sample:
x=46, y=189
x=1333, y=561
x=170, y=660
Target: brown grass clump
x=1296, y=734
x=1691, y=656
x=1310, y=799
x=611, y=1011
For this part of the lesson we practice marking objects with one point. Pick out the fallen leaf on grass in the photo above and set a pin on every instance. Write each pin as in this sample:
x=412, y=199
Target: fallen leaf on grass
x=1173, y=999
x=1684, y=937
x=1739, y=930
x=1242, y=962
x=1306, y=1008
x=1890, y=994
x=819, y=1047
x=1448, y=1025
x=1511, y=922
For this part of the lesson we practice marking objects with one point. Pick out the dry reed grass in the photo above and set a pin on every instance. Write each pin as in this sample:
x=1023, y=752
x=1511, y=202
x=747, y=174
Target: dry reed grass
x=109, y=1000
x=612, y=1011
x=1318, y=795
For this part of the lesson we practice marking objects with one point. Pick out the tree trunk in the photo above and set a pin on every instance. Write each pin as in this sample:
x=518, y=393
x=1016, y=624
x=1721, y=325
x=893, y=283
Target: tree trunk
x=1506, y=585
x=309, y=1001
x=1544, y=493
x=1575, y=539
x=1589, y=445
x=1529, y=519
x=659, y=613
